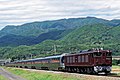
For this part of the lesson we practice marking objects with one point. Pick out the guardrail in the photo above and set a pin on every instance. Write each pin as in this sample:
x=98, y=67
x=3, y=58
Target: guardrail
x=116, y=57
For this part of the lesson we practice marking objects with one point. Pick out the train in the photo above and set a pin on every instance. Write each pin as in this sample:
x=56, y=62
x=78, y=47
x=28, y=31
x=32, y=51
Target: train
x=91, y=61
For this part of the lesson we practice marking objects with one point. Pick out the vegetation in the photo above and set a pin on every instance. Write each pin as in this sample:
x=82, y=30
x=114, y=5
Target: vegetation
x=116, y=69
x=115, y=62
x=2, y=77
x=36, y=32
x=30, y=75
x=37, y=28
x=16, y=40
x=59, y=36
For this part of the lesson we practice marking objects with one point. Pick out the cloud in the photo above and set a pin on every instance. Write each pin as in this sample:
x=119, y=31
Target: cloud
x=17, y=12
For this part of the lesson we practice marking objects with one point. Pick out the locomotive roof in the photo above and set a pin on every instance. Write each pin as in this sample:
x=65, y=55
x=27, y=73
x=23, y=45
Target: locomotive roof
x=89, y=52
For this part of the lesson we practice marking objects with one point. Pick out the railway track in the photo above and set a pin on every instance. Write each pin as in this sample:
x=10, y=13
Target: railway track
x=103, y=74
x=109, y=75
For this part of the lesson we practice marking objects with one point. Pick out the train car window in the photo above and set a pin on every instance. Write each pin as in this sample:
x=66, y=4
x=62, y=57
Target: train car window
x=67, y=59
x=82, y=58
x=73, y=59
x=70, y=59
x=108, y=54
x=79, y=58
x=86, y=58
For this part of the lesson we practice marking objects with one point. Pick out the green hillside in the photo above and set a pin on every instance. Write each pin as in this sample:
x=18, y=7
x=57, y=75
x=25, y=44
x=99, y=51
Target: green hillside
x=86, y=37
x=37, y=32
x=46, y=38
x=17, y=40
x=94, y=34
x=97, y=35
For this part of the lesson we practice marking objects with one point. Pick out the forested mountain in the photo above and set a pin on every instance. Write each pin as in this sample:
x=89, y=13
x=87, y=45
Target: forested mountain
x=97, y=35
x=117, y=21
x=36, y=32
x=59, y=36
x=16, y=40
x=37, y=28
x=92, y=34
x=86, y=37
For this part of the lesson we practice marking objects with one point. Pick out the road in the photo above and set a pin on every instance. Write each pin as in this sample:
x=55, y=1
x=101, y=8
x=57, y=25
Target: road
x=9, y=75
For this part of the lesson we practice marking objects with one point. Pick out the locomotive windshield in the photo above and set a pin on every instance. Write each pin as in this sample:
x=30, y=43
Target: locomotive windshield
x=97, y=54
x=108, y=54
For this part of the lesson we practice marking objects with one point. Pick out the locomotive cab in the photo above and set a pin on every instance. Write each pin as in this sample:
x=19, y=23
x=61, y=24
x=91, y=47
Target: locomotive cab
x=102, y=58
x=102, y=61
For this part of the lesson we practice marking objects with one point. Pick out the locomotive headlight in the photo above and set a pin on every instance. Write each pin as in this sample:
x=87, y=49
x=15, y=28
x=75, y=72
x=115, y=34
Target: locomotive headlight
x=100, y=68
x=97, y=68
x=108, y=68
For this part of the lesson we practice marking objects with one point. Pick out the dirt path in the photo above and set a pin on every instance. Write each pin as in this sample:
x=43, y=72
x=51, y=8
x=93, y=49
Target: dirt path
x=9, y=75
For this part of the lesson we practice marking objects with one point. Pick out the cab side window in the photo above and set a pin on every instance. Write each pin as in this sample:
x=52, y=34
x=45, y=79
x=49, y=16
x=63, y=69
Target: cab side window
x=62, y=59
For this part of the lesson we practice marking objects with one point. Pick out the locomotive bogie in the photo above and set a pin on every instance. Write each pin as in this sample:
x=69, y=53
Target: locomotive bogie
x=105, y=69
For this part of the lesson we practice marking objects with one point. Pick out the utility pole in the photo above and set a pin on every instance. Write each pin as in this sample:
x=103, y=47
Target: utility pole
x=55, y=50
x=31, y=56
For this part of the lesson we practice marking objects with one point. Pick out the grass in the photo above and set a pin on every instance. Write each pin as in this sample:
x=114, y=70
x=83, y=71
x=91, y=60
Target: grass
x=29, y=75
x=33, y=75
x=2, y=77
x=115, y=67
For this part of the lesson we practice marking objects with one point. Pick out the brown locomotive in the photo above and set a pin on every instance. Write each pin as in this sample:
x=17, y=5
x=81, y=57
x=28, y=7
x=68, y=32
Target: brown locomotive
x=93, y=61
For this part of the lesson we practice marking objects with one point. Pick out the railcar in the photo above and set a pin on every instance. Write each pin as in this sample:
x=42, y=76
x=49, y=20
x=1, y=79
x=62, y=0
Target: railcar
x=90, y=61
x=46, y=63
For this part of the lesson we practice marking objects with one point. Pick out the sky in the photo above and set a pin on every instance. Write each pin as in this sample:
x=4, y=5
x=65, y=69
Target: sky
x=17, y=12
